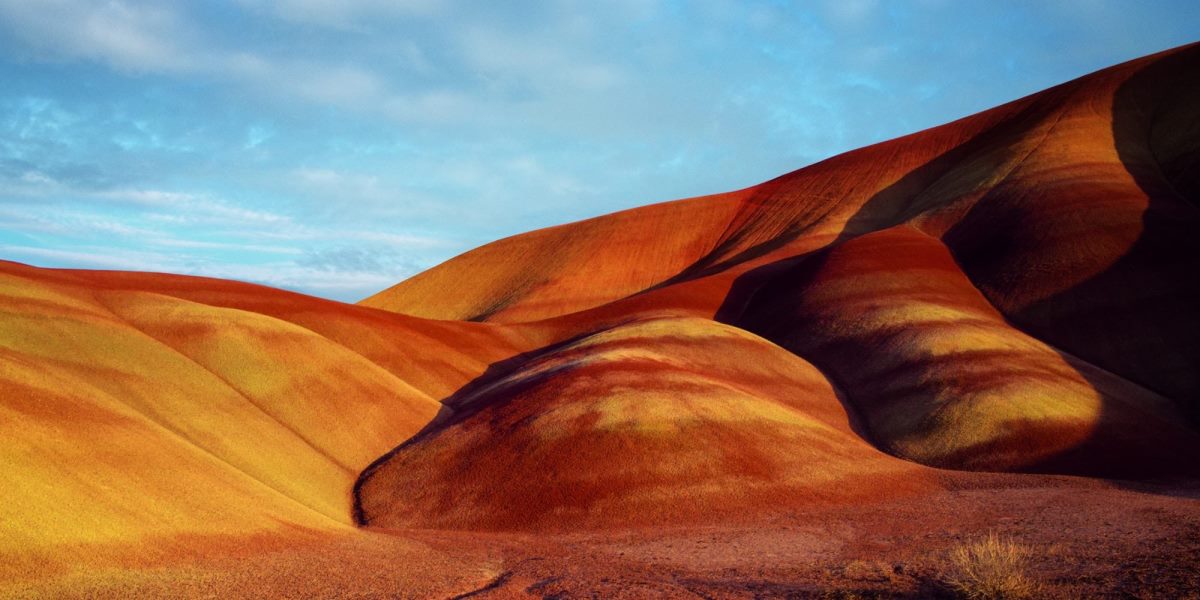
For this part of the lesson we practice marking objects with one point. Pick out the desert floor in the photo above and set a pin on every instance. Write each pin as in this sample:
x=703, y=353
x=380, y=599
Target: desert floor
x=1086, y=538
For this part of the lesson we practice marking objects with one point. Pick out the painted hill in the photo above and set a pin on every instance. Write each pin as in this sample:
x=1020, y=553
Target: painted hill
x=1015, y=291
x=143, y=410
x=648, y=422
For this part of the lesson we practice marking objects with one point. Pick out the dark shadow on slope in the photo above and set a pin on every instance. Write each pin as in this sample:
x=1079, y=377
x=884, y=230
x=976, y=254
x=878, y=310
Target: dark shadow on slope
x=895, y=204
x=457, y=407
x=1130, y=445
x=1156, y=130
x=1157, y=343
x=1140, y=317
x=797, y=272
x=1172, y=191
x=476, y=396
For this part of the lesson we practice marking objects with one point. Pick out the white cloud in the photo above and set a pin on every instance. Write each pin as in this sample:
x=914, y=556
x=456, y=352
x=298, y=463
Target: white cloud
x=142, y=37
x=340, y=86
x=346, y=14
x=189, y=208
x=546, y=59
x=347, y=285
x=69, y=223
x=251, y=248
x=158, y=198
x=157, y=38
x=91, y=257
x=331, y=133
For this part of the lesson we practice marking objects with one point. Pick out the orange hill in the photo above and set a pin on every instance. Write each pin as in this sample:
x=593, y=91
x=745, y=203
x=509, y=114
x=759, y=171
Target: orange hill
x=1014, y=291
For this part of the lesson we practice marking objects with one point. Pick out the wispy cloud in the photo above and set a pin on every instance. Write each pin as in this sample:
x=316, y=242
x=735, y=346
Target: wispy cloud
x=91, y=257
x=335, y=147
x=142, y=37
x=347, y=14
x=336, y=279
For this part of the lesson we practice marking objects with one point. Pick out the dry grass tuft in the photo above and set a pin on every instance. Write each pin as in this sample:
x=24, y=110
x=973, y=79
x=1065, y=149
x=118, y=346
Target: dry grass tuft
x=991, y=568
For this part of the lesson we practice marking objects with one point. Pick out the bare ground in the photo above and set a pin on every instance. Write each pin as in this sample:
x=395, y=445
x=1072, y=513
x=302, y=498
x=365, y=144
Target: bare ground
x=1088, y=539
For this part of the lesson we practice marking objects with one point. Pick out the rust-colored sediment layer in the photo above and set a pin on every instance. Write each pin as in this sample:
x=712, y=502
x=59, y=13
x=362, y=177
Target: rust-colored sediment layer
x=1014, y=291
x=655, y=421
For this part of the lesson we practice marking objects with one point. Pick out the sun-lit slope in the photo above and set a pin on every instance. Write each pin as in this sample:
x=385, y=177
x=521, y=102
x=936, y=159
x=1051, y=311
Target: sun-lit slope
x=342, y=405
x=663, y=421
x=941, y=378
x=436, y=357
x=132, y=418
x=567, y=268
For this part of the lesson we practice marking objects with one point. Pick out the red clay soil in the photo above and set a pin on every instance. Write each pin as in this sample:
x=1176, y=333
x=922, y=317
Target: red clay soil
x=1086, y=539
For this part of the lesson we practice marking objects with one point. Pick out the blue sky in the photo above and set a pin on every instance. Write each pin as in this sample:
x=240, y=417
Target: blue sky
x=337, y=147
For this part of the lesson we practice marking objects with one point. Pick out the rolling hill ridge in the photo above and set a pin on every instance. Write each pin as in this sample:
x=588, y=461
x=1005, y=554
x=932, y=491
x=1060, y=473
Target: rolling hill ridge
x=1012, y=292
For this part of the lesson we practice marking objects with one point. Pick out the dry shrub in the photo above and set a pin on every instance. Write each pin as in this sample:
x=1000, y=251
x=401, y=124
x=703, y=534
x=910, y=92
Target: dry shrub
x=862, y=570
x=991, y=568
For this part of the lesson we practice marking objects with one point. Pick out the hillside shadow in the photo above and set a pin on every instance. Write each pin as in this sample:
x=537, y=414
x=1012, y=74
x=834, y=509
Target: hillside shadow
x=1165, y=257
x=893, y=205
x=889, y=207
x=457, y=408
x=1167, y=226
x=1162, y=237
x=1159, y=273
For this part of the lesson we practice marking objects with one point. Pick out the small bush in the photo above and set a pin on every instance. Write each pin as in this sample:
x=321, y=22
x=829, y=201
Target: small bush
x=990, y=569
